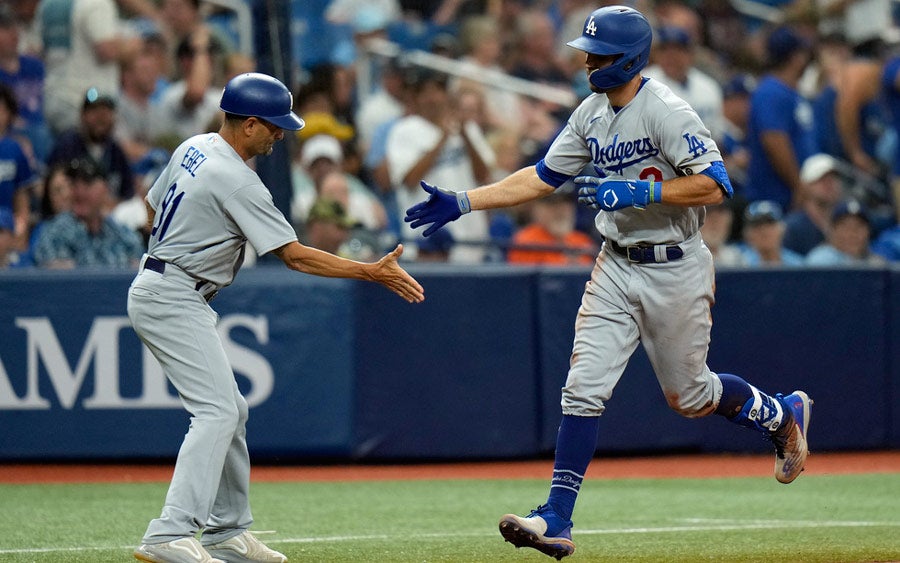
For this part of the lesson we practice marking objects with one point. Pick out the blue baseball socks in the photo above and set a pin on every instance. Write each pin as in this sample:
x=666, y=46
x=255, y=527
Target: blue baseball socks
x=576, y=442
x=575, y=447
x=746, y=405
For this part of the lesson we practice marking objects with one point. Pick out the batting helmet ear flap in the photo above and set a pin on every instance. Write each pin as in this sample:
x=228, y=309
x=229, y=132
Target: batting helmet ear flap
x=616, y=30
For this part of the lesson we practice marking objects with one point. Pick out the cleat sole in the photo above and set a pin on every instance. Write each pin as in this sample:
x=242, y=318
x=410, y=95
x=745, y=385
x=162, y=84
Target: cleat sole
x=520, y=537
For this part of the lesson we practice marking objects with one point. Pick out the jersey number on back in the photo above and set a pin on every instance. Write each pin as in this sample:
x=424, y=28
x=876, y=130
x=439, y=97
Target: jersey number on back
x=164, y=218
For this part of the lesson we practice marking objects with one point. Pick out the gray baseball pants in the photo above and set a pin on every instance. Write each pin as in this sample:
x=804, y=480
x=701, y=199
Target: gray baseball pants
x=665, y=307
x=210, y=486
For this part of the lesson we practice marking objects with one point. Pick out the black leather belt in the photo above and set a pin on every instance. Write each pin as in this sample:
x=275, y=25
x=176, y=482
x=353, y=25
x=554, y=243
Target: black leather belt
x=158, y=266
x=645, y=253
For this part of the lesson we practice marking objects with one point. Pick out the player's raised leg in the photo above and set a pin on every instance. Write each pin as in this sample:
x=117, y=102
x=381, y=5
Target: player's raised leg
x=783, y=419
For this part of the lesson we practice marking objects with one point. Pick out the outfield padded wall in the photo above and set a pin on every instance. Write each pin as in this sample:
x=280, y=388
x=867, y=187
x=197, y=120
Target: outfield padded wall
x=340, y=369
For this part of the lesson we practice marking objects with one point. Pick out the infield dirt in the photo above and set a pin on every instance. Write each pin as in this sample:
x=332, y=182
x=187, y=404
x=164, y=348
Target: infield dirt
x=669, y=466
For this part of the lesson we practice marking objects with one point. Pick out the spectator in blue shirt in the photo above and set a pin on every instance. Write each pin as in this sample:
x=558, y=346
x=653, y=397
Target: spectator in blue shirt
x=763, y=236
x=25, y=75
x=16, y=173
x=821, y=189
x=848, y=240
x=780, y=131
x=887, y=245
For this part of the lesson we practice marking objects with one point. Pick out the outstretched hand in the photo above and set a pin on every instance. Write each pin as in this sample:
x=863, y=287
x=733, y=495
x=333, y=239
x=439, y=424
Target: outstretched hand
x=390, y=274
x=441, y=207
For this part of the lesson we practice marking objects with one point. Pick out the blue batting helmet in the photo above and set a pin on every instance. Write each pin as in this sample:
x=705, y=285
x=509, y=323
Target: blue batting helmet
x=253, y=94
x=616, y=30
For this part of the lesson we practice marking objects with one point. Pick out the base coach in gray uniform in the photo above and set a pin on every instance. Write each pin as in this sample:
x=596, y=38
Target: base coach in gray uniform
x=653, y=168
x=206, y=205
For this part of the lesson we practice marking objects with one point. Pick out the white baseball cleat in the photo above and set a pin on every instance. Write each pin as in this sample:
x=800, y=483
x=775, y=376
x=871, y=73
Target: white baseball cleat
x=182, y=550
x=245, y=548
x=542, y=530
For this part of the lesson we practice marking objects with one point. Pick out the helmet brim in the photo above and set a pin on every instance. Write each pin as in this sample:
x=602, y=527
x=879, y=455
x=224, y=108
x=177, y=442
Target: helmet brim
x=594, y=46
x=289, y=122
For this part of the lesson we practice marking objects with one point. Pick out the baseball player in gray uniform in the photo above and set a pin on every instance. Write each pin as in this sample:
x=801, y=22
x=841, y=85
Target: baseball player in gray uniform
x=204, y=207
x=653, y=169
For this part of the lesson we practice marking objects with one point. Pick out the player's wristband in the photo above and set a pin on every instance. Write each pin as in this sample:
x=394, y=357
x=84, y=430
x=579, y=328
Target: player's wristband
x=462, y=201
x=654, y=192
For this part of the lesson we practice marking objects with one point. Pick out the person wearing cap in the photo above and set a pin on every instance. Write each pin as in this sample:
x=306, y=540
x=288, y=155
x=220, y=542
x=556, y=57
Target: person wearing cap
x=848, y=239
x=673, y=65
x=85, y=235
x=17, y=176
x=83, y=43
x=327, y=226
x=325, y=123
x=821, y=188
x=763, y=236
x=94, y=139
x=321, y=157
x=780, y=132
x=735, y=115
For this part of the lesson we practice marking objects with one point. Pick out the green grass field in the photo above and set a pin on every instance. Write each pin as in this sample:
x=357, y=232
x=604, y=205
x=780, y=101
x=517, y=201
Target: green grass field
x=816, y=519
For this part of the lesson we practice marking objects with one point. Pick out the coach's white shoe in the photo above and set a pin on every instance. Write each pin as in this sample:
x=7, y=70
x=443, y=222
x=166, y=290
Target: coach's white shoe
x=245, y=548
x=182, y=550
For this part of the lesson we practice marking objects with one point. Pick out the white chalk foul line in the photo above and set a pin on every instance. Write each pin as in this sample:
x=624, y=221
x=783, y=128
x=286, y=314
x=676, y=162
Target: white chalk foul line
x=711, y=526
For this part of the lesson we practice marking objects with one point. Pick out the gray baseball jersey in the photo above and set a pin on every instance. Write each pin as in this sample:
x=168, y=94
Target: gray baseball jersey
x=208, y=204
x=657, y=136
x=664, y=306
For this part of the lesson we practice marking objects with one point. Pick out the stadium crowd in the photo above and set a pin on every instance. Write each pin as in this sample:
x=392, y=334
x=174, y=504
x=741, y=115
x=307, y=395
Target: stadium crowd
x=802, y=97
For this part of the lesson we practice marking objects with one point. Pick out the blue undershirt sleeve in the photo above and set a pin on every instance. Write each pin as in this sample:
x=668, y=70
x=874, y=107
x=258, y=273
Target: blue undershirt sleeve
x=551, y=177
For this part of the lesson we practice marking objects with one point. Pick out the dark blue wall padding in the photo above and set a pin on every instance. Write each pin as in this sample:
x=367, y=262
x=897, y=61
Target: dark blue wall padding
x=453, y=376
x=347, y=370
x=892, y=335
x=822, y=331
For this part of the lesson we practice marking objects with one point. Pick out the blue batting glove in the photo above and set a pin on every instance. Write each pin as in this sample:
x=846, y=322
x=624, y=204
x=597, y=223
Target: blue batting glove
x=441, y=207
x=609, y=194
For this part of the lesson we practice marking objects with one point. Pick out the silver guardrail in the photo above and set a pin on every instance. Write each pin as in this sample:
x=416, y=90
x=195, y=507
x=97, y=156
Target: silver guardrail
x=494, y=79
